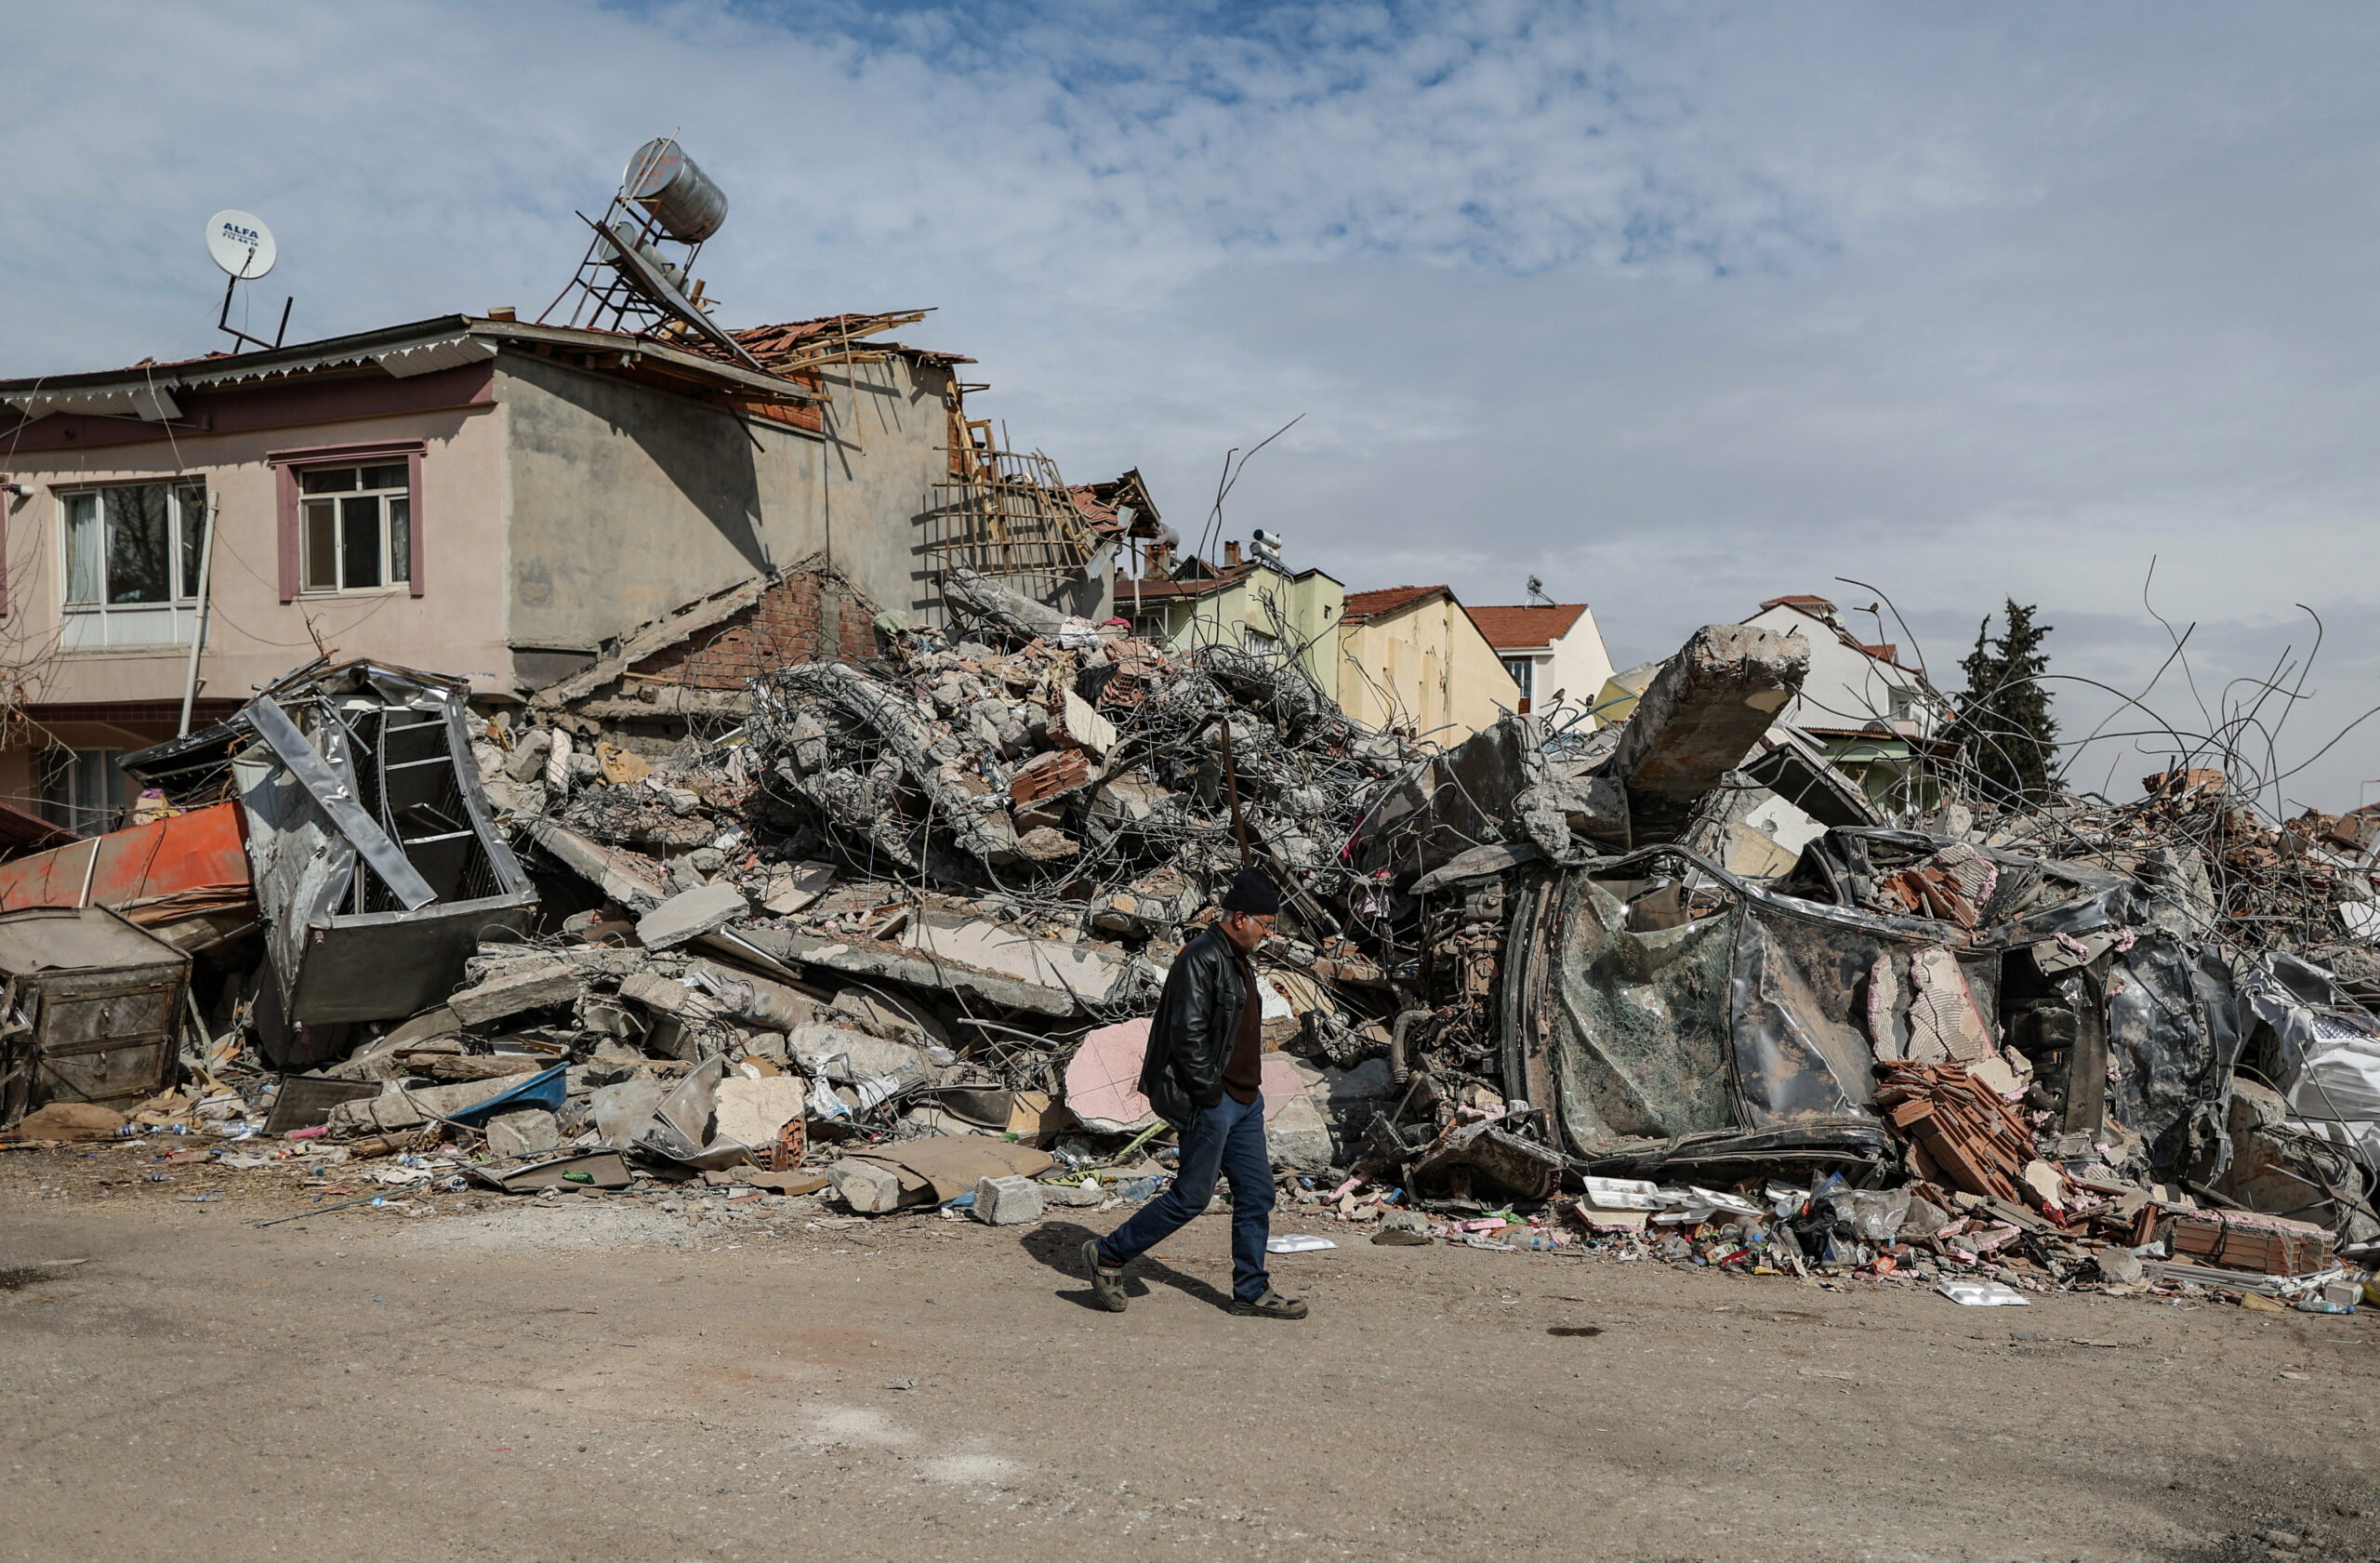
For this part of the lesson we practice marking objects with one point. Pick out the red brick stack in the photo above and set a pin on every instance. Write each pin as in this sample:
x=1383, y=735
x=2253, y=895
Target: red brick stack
x=1960, y=1133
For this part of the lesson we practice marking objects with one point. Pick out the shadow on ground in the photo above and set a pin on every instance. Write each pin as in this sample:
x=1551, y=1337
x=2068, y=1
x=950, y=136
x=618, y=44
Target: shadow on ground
x=1058, y=1244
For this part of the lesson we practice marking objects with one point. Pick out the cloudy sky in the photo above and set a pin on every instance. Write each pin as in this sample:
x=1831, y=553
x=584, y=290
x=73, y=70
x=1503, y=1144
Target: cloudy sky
x=1676, y=306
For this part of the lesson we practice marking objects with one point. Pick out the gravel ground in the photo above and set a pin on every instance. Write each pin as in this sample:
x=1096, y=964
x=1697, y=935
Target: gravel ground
x=601, y=1378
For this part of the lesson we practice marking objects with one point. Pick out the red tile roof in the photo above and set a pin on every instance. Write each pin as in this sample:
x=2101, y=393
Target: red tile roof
x=1525, y=625
x=1174, y=590
x=1798, y=600
x=1362, y=605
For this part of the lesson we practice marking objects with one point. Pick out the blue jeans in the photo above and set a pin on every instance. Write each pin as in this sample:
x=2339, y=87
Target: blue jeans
x=1226, y=1139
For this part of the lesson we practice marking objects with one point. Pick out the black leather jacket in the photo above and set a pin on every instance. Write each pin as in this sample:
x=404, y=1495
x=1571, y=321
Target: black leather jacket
x=1197, y=1019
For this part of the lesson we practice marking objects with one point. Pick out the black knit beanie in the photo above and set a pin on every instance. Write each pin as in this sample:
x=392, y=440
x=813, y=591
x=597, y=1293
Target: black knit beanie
x=1252, y=892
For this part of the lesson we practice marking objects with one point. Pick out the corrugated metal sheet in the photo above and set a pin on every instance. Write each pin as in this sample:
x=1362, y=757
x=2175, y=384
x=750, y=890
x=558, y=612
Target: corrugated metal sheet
x=157, y=872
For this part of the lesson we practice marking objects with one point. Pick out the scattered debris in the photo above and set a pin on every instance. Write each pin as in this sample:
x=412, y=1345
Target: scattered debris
x=886, y=937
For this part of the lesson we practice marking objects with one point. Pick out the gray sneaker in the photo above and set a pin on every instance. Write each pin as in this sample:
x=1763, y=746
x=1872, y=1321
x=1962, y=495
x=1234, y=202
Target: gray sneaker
x=1106, y=1284
x=1271, y=1306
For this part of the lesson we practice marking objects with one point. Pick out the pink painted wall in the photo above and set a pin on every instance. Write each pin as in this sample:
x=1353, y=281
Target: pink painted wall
x=457, y=626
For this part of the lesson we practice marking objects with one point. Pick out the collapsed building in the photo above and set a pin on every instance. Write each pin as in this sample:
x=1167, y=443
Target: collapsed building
x=791, y=814
x=891, y=938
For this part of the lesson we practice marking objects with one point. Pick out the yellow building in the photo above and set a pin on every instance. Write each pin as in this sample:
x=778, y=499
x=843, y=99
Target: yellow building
x=1253, y=604
x=1410, y=660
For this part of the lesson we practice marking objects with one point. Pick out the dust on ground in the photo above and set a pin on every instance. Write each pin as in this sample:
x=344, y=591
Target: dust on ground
x=600, y=1378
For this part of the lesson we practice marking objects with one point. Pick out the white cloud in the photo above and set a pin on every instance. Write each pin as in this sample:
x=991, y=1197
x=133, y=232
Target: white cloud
x=1677, y=307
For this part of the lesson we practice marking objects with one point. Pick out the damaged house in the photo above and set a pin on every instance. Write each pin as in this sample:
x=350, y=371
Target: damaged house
x=800, y=798
x=1873, y=716
x=649, y=520
x=1254, y=605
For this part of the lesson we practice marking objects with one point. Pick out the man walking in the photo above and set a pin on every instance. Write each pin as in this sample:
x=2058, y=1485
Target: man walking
x=1203, y=1075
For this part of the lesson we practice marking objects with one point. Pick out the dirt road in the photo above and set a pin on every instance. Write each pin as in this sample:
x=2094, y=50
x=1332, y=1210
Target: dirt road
x=610, y=1381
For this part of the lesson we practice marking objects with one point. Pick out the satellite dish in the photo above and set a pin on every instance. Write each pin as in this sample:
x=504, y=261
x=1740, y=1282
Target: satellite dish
x=241, y=245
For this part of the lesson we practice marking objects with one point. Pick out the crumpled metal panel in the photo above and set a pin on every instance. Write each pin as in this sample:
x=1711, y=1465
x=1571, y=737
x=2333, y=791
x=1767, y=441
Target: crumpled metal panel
x=1636, y=1022
x=2324, y=1047
x=1747, y=1022
x=336, y=959
x=2172, y=1037
x=1795, y=1061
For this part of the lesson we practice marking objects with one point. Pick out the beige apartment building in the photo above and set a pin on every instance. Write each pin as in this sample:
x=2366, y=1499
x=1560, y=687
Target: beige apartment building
x=1412, y=661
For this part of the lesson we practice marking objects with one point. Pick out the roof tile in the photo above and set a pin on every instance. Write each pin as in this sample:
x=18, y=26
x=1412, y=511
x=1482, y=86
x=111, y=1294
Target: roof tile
x=1387, y=600
x=1525, y=625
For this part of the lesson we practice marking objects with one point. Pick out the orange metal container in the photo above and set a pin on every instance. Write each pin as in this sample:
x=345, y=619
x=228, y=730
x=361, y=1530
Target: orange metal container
x=159, y=872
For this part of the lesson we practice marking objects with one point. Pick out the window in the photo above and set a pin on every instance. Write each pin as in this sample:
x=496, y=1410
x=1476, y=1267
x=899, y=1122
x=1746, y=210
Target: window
x=83, y=789
x=355, y=530
x=1259, y=643
x=1524, y=673
x=132, y=553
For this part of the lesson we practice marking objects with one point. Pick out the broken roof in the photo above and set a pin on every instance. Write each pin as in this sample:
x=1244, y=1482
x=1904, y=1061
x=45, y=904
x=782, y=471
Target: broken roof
x=1103, y=504
x=145, y=391
x=1214, y=579
x=794, y=342
x=1525, y=625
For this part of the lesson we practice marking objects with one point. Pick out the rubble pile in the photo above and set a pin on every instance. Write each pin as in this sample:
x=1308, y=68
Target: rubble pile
x=1675, y=989
x=2244, y=880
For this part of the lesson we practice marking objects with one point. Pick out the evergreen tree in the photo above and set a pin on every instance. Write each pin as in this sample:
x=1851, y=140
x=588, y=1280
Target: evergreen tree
x=2005, y=726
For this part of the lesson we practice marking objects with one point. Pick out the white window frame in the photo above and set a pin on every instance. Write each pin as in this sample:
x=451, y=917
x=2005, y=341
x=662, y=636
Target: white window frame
x=100, y=624
x=333, y=503
x=1521, y=670
x=90, y=785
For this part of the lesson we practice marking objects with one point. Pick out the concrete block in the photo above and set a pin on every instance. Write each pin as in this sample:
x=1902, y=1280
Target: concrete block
x=816, y=1047
x=394, y=1110
x=623, y=1112
x=528, y=757
x=792, y=886
x=524, y=1133
x=539, y=986
x=864, y=1186
x=1090, y=971
x=2120, y=1264
x=1701, y=715
x=665, y=995
x=1298, y=1137
x=1010, y=1201
x=691, y=914
x=752, y=1111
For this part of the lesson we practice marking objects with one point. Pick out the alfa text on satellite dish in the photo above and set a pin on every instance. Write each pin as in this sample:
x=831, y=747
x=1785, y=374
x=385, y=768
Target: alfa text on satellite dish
x=241, y=244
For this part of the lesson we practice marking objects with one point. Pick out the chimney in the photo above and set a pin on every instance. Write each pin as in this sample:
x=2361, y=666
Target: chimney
x=501, y=312
x=1231, y=554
